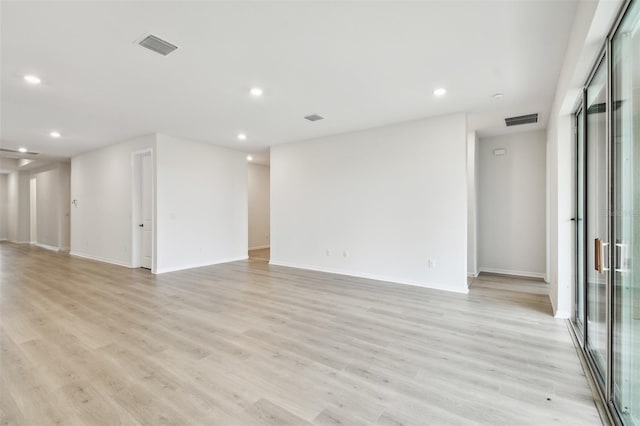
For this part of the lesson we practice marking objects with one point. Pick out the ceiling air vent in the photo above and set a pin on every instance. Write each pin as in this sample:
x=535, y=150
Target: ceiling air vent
x=522, y=119
x=158, y=45
x=314, y=117
x=15, y=151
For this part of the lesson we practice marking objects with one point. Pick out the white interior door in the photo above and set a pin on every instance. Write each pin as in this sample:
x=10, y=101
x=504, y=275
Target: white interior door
x=146, y=211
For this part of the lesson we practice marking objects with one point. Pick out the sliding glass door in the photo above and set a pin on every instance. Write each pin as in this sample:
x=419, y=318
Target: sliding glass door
x=625, y=49
x=607, y=305
x=597, y=218
x=580, y=222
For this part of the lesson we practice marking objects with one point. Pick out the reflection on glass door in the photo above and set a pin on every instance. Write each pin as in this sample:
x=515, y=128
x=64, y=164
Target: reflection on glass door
x=597, y=218
x=626, y=225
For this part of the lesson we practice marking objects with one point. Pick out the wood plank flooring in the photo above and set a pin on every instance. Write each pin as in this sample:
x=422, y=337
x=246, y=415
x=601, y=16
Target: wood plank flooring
x=245, y=343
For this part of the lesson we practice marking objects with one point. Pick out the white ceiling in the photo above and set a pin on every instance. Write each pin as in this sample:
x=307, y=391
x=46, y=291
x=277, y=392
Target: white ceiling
x=359, y=64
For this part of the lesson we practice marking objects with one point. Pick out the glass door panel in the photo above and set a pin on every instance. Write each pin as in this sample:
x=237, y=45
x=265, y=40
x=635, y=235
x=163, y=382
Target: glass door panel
x=597, y=219
x=580, y=261
x=626, y=226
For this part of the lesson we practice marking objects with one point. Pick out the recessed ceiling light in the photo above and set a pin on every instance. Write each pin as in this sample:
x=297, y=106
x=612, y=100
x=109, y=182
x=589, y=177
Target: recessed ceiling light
x=249, y=158
x=55, y=134
x=440, y=91
x=242, y=137
x=498, y=96
x=32, y=79
x=256, y=92
x=22, y=149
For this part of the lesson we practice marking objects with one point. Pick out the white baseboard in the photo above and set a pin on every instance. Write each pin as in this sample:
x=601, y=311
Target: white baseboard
x=259, y=247
x=395, y=280
x=512, y=272
x=199, y=265
x=46, y=247
x=473, y=274
x=18, y=242
x=100, y=259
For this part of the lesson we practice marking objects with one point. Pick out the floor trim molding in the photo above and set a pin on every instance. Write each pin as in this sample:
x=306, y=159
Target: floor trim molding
x=512, y=272
x=200, y=265
x=433, y=286
x=100, y=259
x=46, y=246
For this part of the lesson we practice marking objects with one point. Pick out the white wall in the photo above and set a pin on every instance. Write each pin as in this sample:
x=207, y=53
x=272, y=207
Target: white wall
x=380, y=202
x=259, y=210
x=101, y=182
x=64, y=206
x=4, y=206
x=201, y=204
x=47, y=211
x=18, y=203
x=52, y=205
x=472, y=213
x=512, y=204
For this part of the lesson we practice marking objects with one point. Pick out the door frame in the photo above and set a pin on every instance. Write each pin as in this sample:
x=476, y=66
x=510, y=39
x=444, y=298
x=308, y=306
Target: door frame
x=136, y=211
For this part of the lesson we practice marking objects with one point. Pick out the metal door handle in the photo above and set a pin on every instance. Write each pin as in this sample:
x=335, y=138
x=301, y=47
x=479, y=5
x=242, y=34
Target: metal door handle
x=599, y=257
x=141, y=225
x=621, y=257
x=605, y=258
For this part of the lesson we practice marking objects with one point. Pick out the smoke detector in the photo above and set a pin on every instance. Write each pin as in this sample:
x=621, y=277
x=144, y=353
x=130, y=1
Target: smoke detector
x=314, y=117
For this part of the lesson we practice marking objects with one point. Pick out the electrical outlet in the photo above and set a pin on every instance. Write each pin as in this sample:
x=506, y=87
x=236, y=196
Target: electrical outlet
x=345, y=253
x=431, y=263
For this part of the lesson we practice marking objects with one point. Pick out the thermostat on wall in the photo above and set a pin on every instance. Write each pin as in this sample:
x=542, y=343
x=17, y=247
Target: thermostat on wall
x=499, y=152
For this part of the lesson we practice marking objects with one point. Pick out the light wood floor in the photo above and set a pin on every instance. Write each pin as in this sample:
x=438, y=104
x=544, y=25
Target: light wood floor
x=86, y=343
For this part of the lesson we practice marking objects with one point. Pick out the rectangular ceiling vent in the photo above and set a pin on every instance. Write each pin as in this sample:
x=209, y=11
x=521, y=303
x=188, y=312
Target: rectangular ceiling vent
x=158, y=45
x=15, y=151
x=314, y=117
x=522, y=119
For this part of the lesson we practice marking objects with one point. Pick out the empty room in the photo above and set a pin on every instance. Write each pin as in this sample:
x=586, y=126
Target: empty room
x=320, y=212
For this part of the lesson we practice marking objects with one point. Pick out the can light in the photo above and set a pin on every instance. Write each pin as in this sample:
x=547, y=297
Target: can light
x=440, y=91
x=32, y=79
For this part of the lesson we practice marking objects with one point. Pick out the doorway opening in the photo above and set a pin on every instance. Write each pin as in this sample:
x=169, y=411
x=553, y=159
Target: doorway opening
x=143, y=244
x=259, y=232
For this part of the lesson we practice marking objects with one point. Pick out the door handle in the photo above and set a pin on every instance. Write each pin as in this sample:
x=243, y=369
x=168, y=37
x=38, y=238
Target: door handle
x=621, y=257
x=141, y=225
x=599, y=257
